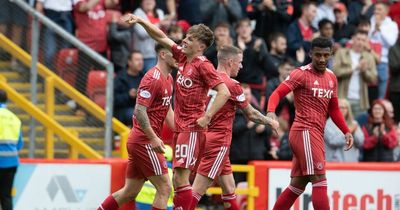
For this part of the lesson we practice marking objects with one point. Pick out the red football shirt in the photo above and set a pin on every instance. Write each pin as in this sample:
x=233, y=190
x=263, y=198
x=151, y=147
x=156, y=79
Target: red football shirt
x=193, y=81
x=312, y=93
x=223, y=119
x=91, y=26
x=155, y=93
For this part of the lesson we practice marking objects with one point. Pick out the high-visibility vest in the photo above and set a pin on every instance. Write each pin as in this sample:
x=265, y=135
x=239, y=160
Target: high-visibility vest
x=10, y=128
x=148, y=192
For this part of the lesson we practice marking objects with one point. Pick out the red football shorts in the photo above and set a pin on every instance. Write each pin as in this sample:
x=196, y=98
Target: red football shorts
x=143, y=162
x=187, y=149
x=308, y=152
x=215, y=158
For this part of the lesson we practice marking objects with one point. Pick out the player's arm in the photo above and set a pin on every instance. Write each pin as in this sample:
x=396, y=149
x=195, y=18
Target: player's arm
x=281, y=91
x=170, y=119
x=222, y=96
x=144, y=123
x=153, y=31
x=338, y=119
x=256, y=116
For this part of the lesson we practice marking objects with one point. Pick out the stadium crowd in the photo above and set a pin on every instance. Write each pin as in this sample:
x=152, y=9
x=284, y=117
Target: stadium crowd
x=275, y=36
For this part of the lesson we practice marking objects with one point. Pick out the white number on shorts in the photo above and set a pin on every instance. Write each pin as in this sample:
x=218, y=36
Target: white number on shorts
x=181, y=150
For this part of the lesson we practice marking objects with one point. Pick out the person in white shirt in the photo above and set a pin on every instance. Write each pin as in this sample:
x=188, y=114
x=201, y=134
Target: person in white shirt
x=385, y=31
x=325, y=10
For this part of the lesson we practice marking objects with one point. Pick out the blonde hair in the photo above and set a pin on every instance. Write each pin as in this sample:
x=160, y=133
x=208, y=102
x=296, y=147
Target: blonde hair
x=349, y=118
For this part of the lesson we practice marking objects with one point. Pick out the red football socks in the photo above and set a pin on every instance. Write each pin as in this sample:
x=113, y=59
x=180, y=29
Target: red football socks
x=195, y=200
x=230, y=201
x=319, y=195
x=109, y=204
x=287, y=198
x=183, y=198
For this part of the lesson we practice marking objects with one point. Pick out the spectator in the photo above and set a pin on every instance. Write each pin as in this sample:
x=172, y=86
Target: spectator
x=271, y=17
x=281, y=151
x=335, y=142
x=394, y=11
x=397, y=149
x=325, y=10
x=325, y=27
x=360, y=8
x=91, y=29
x=222, y=37
x=176, y=33
x=10, y=143
x=384, y=31
x=217, y=11
x=249, y=140
x=300, y=32
x=60, y=12
x=394, y=81
x=342, y=30
x=119, y=38
x=125, y=88
x=142, y=41
x=12, y=22
x=278, y=46
x=285, y=109
x=255, y=58
x=355, y=68
x=380, y=135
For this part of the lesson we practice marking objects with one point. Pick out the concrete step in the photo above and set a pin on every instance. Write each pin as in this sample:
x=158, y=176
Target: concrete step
x=60, y=109
x=84, y=131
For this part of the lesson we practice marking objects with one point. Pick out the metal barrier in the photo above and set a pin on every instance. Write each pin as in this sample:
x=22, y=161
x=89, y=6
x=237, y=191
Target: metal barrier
x=252, y=191
x=59, y=53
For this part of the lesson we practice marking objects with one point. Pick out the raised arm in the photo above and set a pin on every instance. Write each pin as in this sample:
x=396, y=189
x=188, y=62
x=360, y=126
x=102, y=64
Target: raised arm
x=154, y=32
x=144, y=123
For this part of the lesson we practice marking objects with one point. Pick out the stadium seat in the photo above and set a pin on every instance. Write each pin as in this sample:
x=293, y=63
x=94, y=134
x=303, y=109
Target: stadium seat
x=96, y=86
x=67, y=64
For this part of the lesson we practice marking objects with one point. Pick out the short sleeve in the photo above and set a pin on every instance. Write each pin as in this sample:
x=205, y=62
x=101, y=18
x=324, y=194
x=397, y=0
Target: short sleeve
x=148, y=91
x=209, y=74
x=177, y=53
x=295, y=79
x=238, y=96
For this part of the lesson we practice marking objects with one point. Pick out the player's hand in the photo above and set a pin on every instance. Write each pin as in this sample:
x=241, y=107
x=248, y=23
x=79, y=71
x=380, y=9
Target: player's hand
x=203, y=121
x=349, y=141
x=274, y=124
x=130, y=18
x=157, y=145
x=272, y=115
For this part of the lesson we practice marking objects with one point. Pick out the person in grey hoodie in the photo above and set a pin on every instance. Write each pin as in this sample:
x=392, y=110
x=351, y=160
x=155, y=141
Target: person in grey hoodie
x=335, y=142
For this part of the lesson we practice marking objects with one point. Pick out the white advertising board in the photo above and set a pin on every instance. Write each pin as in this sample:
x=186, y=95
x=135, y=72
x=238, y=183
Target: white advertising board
x=61, y=186
x=347, y=190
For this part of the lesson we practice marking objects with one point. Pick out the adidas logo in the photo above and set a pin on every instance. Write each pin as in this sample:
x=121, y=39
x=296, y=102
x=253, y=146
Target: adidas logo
x=316, y=82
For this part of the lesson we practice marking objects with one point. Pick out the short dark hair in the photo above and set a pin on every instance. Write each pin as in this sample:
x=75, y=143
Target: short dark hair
x=362, y=21
x=3, y=96
x=275, y=36
x=222, y=24
x=321, y=42
x=286, y=61
x=324, y=22
x=133, y=52
x=202, y=33
x=228, y=51
x=159, y=47
x=363, y=32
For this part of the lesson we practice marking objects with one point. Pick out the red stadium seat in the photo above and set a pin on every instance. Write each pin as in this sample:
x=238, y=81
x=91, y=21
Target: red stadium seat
x=67, y=64
x=96, y=86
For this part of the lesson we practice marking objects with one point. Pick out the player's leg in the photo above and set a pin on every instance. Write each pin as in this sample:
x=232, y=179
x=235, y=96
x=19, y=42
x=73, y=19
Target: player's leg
x=299, y=178
x=163, y=186
x=187, y=148
x=319, y=196
x=127, y=193
x=227, y=183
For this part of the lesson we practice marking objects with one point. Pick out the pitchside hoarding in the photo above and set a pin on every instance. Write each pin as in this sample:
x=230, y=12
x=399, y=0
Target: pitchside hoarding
x=61, y=186
x=347, y=189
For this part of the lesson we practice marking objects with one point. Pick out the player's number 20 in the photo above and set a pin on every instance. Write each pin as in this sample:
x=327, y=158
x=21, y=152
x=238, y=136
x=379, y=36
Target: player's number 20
x=181, y=150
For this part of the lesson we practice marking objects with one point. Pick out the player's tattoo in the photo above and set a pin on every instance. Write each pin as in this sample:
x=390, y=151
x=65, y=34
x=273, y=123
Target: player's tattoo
x=255, y=115
x=141, y=116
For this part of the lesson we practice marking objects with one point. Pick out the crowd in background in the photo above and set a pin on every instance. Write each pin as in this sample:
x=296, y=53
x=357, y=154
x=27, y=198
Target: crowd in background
x=275, y=36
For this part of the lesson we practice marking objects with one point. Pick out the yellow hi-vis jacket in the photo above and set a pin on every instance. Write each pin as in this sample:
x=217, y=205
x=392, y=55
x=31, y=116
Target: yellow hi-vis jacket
x=10, y=138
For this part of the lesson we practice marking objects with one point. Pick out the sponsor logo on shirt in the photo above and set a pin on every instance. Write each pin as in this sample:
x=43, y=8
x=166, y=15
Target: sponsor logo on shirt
x=166, y=100
x=241, y=97
x=287, y=78
x=316, y=82
x=184, y=81
x=322, y=93
x=145, y=94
